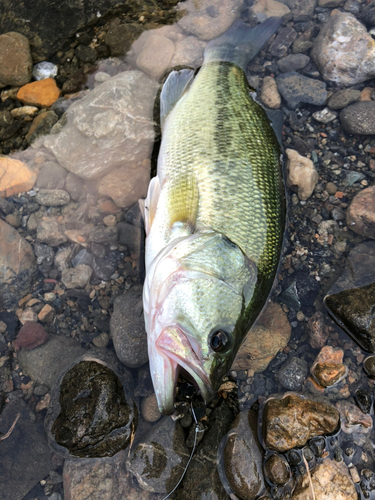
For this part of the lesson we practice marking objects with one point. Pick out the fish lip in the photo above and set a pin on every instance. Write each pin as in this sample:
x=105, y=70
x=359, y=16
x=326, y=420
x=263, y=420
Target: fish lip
x=171, y=343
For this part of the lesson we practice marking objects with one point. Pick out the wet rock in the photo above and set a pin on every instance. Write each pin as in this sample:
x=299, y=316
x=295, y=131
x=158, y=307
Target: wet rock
x=353, y=420
x=120, y=37
x=209, y=19
x=76, y=277
x=15, y=59
x=368, y=14
x=155, y=56
x=364, y=400
x=30, y=336
x=102, y=234
x=118, y=115
x=369, y=366
x=301, y=173
x=269, y=94
x=353, y=310
x=24, y=111
x=292, y=62
x=318, y=330
x=46, y=314
x=48, y=231
x=149, y=408
x=284, y=39
x=74, y=186
x=51, y=176
x=270, y=335
x=128, y=329
x=42, y=125
x=328, y=367
x=93, y=416
x=324, y=116
x=15, y=177
x=159, y=459
x=130, y=236
x=302, y=10
x=41, y=93
x=17, y=264
x=188, y=52
x=44, y=70
x=243, y=457
x=292, y=421
x=52, y=197
x=296, y=89
x=25, y=457
x=13, y=220
x=277, y=470
x=263, y=9
x=300, y=291
x=85, y=53
x=293, y=373
x=329, y=480
x=359, y=117
x=344, y=51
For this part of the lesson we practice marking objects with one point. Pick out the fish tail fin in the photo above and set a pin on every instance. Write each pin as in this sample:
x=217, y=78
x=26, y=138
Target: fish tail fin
x=241, y=43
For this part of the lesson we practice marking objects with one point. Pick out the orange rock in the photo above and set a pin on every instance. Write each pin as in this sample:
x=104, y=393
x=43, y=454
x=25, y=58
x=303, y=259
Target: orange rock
x=15, y=177
x=41, y=93
x=367, y=93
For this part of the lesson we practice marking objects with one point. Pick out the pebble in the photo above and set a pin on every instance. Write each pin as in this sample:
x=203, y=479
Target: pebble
x=317, y=330
x=155, y=56
x=51, y=176
x=85, y=53
x=368, y=15
x=301, y=173
x=263, y=9
x=52, y=197
x=360, y=216
x=284, y=39
x=292, y=62
x=13, y=220
x=188, y=52
x=48, y=231
x=277, y=470
x=149, y=409
x=101, y=340
x=101, y=76
x=296, y=89
x=47, y=314
x=42, y=125
x=292, y=373
x=359, y=118
x=40, y=93
x=324, y=116
x=77, y=277
x=328, y=368
x=343, y=98
x=369, y=366
x=15, y=59
x=24, y=111
x=353, y=420
x=15, y=177
x=44, y=69
x=269, y=94
x=31, y=335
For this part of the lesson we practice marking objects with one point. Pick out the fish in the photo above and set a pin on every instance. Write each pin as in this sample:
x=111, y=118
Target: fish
x=214, y=217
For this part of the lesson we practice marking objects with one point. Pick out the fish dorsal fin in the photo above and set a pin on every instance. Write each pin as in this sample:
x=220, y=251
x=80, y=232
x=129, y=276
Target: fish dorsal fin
x=173, y=88
x=183, y=204
x=148, y=206
x=276, y=117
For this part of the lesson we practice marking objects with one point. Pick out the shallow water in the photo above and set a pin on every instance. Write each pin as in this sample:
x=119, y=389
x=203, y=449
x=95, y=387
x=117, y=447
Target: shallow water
x=112, y=140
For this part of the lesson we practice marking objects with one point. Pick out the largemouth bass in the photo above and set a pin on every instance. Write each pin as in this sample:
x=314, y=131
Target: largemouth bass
x=214, y=217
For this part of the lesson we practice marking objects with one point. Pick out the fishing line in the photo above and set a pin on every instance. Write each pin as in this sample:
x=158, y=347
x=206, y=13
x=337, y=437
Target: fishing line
x=191, y=455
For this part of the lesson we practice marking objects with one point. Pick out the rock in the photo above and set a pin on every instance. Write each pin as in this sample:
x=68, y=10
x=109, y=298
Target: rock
x=353, y=310
x=353, y=420
x=126, y=185
x=292, y=62
x=27, y=315
x=101, y=340
x=119, y=37
x=41, y=93
x=15, y=59
x=210, y=18
x=292, y=373
x=300, y=291
x=155, y=56
x=296, y=89
x=93, y=414
x=17, y=264
x=131, y=236
x=20, y=473
x=343, y=98
x=13, y=220
x=284, y=39
x=30, y=336
x=368, y=14
x=329, y=480
x=15, y=177
x=42, y=125
x=318, y=330
x=188, y=52
x=325, y=116
x=328, y=368
x=110, y=127
x=74, y=186
x=44, y=70
x=277, y=470
x=77, y=277
x=360, y=216
x=269, y=94
x=44, y=363
x=344, y=51
x=270, y=335
x=48, y=231
x=268, y=8
x=364, y=400
x=6, y=118
x=243, y=457
x=149, y=408
x=292, y=421
x=51, y=176
x=24, y=111
x=302, y=10
x=159, y=459
x=102, y=234
x=358, y=118
x=52, y=197
x=369, y=366
x=85, y=53
x=128, y=329
x=301, y=173
x=46, y=314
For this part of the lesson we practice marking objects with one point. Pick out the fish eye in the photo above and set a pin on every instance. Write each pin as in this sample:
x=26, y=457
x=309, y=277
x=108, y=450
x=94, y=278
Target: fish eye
x=219, y=341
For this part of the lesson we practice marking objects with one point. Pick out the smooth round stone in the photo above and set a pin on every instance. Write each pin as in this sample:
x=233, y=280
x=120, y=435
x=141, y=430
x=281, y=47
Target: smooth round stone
x=44, y=70
x=149, y=409
x=101, y=76
x=369, y=366
x=363, y=400
x=277, y=470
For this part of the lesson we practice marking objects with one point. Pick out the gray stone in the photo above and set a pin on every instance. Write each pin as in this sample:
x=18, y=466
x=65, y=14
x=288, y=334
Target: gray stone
x=76, y=277
x=44, y=363
x=292, y=62
x=51, y=176
x=302, y=10
x=48, y=231
x=15, y=59
x=75, y=186
x=103, y=234
x=359, y=118
x=343, y=98
x=128, y=329
x=293, y=373
x=284, y=39
x=368, y=14
x=52, y=197
x=25, y=457
x=297, y=89
x=17, y=266
x=112, y=126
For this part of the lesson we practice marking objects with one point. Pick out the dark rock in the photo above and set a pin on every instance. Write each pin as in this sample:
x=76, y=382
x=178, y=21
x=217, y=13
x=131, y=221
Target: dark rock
x=11, y=321
x=15, y=59
x=317, y=446
x=44, y=254
x=301, y=146
x=131, y=236
x=128, y=329
x=6, y=119
x=296, y=89
x=159, y=459
x=61, y=105
x=25, y=457
x=292, y=62
x=364, y=400
x=368, y=14
x=243, y=457
x=343, y=98
x=5, y=206
x=51, y=176
x=30, y=336
x=300, y=290
x=293, y=373
x=82, y=257
x=353, y=309
x=277, y=470
x=75, y=186
x=279, y=47
x=318, y=330
x=120, y=37
x=369, y=366
x=85, y=53
x=359, y=118
x=302, y=10
x=98, y=250
x=103, y=234
x=17, y=264
x=10, y=131
x=353, y=7
x=42, y=125
x=104, y=268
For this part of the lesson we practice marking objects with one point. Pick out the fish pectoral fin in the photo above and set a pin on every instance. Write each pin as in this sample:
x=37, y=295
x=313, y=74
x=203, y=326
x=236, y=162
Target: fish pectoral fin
x=148, y=206
x=173, y=88
x=183, y=203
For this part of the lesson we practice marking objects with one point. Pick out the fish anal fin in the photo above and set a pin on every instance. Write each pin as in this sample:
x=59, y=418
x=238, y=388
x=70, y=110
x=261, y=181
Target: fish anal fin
x=173, y=88
x=149, y=205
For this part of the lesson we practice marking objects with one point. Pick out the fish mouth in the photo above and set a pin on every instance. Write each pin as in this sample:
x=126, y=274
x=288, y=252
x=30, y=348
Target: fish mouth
x=179, y=353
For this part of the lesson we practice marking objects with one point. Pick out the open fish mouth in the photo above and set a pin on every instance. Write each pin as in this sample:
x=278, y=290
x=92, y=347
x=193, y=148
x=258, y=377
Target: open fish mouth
x=178, y=353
